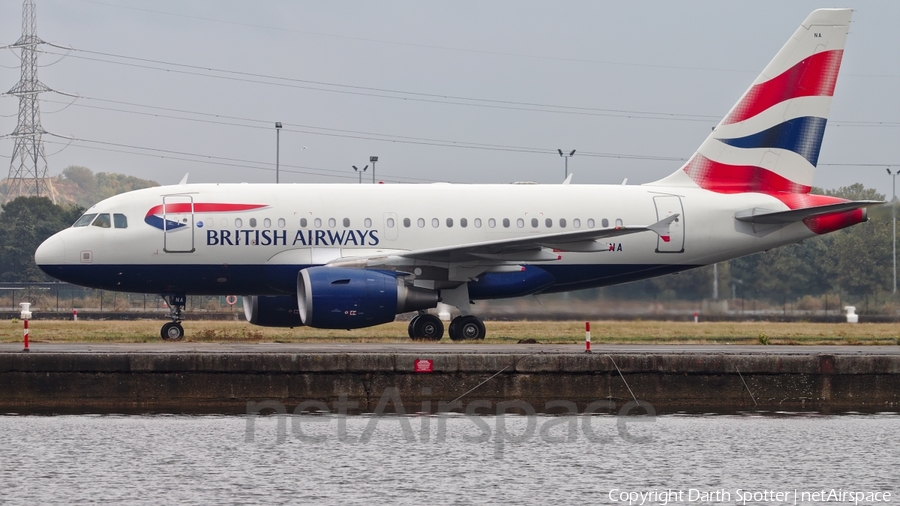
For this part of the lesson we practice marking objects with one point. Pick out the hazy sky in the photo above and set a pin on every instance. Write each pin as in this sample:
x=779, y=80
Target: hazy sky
x=441, y=91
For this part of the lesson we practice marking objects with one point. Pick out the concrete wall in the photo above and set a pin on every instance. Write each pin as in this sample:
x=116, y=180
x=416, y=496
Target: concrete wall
x=226, y=382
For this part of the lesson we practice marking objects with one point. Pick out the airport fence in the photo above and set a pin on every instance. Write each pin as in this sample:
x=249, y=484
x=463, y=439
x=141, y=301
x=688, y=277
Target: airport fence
x=61, y=299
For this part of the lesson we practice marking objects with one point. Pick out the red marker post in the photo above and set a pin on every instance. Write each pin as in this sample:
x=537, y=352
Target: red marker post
x=696, y=317
x=587, y=337
x=74, y=315
x=26, y=315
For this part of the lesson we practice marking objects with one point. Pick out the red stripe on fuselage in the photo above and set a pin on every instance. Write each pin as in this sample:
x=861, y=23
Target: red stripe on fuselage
x=200, y=207
x=813, y=76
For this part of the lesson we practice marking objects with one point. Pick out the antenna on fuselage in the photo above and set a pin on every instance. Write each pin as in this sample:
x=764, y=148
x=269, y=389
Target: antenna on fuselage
x=184, y=179
x=568, y=179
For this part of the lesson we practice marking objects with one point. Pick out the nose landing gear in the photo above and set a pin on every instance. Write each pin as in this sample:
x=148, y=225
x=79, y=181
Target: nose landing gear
x=173, y=331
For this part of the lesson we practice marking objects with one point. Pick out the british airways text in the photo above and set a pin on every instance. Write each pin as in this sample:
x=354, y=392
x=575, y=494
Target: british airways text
x=302, y=237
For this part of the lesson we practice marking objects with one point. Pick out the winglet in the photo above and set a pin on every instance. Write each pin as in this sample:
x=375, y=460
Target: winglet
x=184, y=179
x=568, y=179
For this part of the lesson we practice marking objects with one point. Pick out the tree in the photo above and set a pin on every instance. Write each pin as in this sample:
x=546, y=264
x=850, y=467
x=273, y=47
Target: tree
x=25, y=223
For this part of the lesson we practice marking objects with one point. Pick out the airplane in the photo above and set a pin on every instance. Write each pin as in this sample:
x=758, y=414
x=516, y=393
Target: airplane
x=346, y=256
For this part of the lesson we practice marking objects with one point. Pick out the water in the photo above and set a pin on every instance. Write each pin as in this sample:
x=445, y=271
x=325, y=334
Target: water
x=150, y=459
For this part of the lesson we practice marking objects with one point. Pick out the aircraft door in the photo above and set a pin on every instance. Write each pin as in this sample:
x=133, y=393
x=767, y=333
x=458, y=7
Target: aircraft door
x=667, y=205
x=178, y=224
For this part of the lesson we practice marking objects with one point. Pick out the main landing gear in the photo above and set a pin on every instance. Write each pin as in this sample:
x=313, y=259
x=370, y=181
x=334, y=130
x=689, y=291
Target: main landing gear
x=464, y=327
x=173, y=331
x=428, y=327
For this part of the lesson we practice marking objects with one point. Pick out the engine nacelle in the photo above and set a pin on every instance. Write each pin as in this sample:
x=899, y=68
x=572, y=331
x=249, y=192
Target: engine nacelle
x=339, y=298
x=278, y=311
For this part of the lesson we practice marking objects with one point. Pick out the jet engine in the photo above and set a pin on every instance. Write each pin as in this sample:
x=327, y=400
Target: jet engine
x=277, y=311
x=340, y=298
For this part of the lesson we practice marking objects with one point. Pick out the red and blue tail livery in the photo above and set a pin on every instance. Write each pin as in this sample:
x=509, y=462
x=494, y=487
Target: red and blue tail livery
x=770, y=140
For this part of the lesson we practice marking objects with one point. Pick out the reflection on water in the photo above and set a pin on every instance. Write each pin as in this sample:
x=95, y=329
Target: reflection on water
x=445, y=459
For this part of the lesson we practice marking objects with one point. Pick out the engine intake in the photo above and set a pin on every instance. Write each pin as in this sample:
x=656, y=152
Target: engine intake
x=339, y=298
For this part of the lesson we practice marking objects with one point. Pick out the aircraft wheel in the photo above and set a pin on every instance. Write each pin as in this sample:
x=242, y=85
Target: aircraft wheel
x=411, y=329
x=467, y=328
x=453, y=329
x=172, y=331
x=428, y=327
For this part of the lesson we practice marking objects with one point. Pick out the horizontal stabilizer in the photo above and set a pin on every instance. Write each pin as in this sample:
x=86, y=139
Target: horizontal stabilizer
x=769, y=217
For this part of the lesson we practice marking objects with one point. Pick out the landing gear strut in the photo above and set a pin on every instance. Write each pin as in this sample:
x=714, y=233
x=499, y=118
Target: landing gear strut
x=426, y=327
x=173, y=331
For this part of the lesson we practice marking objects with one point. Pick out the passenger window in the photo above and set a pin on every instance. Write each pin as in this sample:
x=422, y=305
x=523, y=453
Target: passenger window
x=505, y=222
x=332, y=223
x=281, y=223
x=346, y=222
x=267, y=223
x=590, y=222
x=463, y=222
x=562, y=223
x=576, y=223
x=210, y=223
x=318, y=222
x=604, y=222
x=252, y=222
x=390, y=223
x=85, y=220
x=238, y=223
x=406, y=222
x=520, y=222
x=449, y=222
x=435, y=222
x=120, y=220
x=619, y=222
x=477, y=222
x=492, y=222
x=421, y=222
x=549, y=223
x=534, y=223
x=102, y=221
x=224, y=222
x=303, y=222
x=368, y=222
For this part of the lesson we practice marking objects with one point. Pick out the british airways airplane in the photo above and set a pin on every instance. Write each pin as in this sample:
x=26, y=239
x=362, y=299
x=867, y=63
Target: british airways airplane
x=304, y=256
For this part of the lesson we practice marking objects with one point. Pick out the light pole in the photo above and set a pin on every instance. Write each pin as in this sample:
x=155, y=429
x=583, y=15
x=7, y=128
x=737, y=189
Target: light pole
x=566, y=156
x=894, y=216
x=372, y=160
x=277, y=149
x=360, y=171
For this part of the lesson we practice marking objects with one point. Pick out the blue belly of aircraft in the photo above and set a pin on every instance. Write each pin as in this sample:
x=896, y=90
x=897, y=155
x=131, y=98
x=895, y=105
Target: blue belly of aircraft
x=282, y=279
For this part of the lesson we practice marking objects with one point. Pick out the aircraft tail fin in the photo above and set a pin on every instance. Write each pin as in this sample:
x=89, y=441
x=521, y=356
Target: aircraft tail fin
x=769, y=141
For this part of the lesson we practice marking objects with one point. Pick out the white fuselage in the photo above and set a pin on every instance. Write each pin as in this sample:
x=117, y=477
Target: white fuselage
x=217, y=250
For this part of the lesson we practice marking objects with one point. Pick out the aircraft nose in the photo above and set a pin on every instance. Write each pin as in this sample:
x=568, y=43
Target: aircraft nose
x=51, y=252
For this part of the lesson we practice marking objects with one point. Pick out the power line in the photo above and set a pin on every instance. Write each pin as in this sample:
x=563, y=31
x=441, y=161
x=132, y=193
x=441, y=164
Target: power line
x=354, y=134
x=348, y=89
x=215, y=160
x=424, y=46
x=435, y=98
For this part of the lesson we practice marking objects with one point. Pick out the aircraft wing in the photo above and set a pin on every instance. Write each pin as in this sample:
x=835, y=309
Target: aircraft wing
x=769, y=217
x=535, y=248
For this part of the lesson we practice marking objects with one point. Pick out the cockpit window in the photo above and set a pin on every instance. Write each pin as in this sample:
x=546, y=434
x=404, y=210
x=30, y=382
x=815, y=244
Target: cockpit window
x=120, y=220
x=102, y=221
x=85, y=220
